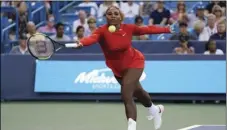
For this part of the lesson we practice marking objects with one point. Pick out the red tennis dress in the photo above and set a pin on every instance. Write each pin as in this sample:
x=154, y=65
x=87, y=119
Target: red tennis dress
x=117, y=48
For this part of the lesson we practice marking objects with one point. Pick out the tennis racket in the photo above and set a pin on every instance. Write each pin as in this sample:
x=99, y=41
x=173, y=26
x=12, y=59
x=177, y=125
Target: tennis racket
x=42, y=47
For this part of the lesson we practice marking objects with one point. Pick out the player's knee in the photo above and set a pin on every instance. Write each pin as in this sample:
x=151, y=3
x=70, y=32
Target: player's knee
x=127, y=83
x=127, y=90
x=126, y=96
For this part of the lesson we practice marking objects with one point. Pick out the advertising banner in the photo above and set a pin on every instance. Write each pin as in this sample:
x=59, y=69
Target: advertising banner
x=158, y=77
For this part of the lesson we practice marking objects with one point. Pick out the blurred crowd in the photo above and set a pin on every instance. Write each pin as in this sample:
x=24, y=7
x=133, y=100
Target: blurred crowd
x=204, y=23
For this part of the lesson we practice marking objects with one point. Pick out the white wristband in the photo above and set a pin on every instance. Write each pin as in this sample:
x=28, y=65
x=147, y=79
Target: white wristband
x=71, y=45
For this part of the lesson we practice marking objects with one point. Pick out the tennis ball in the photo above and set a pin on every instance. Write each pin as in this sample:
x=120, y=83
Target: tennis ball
x=112, y=28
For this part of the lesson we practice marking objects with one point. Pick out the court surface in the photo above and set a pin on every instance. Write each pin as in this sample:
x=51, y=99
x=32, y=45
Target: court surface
x=106, y=116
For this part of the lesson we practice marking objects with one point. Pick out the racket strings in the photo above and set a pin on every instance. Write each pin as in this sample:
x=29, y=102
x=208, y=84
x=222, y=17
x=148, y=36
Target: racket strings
x=40, y=46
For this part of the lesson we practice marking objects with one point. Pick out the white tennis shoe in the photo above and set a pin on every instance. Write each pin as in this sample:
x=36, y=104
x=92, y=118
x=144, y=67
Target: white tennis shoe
x=157, y=117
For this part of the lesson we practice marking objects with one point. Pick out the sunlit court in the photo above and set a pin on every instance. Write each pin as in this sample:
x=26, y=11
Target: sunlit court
x=113, y=65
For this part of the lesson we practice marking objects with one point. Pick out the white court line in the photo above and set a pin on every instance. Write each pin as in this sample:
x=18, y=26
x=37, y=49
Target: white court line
x=190, y=127
x=195, y=126
x=213, y=125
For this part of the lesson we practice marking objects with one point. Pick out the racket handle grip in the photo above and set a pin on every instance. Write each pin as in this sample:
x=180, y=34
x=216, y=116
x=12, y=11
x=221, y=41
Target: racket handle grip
x=71, y=45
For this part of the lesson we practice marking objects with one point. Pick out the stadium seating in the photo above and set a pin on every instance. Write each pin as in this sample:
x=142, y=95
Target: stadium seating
x=6, y=24
x=67, y=12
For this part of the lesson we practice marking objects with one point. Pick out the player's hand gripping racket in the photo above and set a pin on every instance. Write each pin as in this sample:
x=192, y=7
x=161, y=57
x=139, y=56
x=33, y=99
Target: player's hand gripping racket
x=43, y=47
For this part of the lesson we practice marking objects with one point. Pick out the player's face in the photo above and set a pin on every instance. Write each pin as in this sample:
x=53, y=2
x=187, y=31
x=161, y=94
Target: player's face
x=113, y=16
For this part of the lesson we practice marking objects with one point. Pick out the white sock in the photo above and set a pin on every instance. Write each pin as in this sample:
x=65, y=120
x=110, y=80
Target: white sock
x=131, y=124
x=153, y=110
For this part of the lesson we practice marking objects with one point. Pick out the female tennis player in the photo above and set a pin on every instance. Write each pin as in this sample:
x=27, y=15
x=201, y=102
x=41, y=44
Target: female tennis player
x=126, y=63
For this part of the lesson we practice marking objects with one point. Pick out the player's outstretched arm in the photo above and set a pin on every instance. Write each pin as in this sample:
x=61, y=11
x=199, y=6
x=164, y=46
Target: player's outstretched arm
x=152, y=29
x=92, y=39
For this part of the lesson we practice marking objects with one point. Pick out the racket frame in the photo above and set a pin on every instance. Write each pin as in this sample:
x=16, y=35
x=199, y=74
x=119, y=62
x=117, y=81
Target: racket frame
x=52, y=42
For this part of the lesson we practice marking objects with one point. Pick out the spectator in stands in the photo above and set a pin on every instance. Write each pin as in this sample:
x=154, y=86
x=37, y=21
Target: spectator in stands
x=139, y=22
x=184, y=46
x=11, y=16
x=6, y=3
x=217, y=11
x=60, y=36
x=22, y=47
x=103, y=7
x=147, y=7
x=184, y=18
x=181, y=10
x=31, y=28
x=49, y=28
x=199, y=31
x=221, y=32
x=211, y=27
x=130, y=9
x=211, y=48
x=22, y=10
x=47, y=6
x=209, y=7
x=93, y=5
x=199, y=15
x=12, y=34
x=160, y=16
x=183, y=31
x=91, y=26
x=79, y=33
x=82, y=21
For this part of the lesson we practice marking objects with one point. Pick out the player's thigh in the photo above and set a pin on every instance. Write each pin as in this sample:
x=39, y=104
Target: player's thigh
x=137, y=90
x=130, y=79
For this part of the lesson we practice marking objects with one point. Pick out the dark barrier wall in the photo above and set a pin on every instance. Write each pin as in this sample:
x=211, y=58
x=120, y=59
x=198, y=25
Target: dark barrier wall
x=18, y=76
x=152, y=47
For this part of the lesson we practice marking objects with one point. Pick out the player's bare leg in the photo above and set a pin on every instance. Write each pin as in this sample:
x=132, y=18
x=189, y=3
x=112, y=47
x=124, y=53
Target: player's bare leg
x=129, y=84
x=155, y=112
